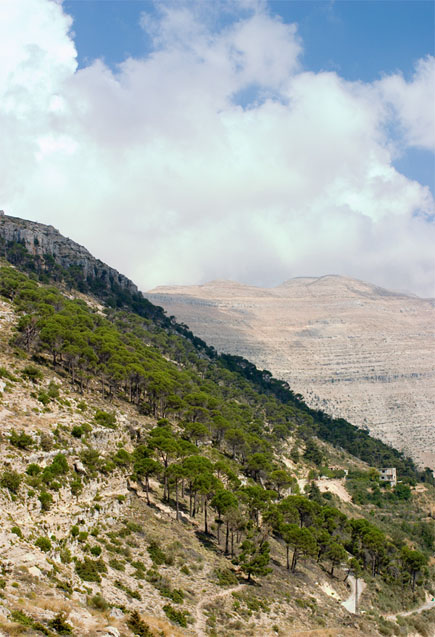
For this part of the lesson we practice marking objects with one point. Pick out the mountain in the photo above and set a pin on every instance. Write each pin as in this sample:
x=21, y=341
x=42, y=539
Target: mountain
x=151, y=487
x=352, y=349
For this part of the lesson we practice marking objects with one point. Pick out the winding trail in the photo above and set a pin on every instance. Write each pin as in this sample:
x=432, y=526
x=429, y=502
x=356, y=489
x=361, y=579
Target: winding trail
x=350, y=603
x=200, y=622
x=429, y=603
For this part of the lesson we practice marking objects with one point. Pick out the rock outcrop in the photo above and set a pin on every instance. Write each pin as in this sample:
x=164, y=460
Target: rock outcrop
x=42, y=240
x=355, y=350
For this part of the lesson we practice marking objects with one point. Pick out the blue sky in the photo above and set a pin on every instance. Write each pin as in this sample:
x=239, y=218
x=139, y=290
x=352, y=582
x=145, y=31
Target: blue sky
x=358, y=39
x=188, y=140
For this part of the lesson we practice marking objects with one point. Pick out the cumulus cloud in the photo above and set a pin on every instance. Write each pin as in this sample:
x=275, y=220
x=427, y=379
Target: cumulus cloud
x=413, y=103
x=217, y=155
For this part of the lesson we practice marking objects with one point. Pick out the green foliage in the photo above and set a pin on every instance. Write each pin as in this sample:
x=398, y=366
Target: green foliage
x=32, y=373
x=156, y=554
x=138, y=626
x=60, y=625
x=33, y=469
x=46, y=500
x=21, y=440
x=90, y=570
x=176, y=616
x=225, y=577
x=17, y=531
x=4, y=373
x=254, y=557
x=65, y=556
x=44, y=544
x=10, y=480
x=98, y=602
x=96, y=551
x=118, y=565
x=105, y=419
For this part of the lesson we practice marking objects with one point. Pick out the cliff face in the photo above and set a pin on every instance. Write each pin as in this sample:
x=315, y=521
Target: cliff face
x=352, y=349
x=41, y=240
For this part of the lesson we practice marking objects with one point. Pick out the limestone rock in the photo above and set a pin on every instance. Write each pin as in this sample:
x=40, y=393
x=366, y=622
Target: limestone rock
x=41, y=240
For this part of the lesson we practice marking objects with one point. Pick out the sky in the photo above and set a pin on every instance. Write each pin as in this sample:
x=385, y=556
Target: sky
x=252, y=140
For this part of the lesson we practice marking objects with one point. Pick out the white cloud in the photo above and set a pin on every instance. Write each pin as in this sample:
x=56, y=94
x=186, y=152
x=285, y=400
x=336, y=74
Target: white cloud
x=161, y=172
x=413, y=103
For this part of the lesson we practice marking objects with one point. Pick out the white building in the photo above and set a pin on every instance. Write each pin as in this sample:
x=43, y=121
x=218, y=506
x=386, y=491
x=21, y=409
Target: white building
x=389, y=475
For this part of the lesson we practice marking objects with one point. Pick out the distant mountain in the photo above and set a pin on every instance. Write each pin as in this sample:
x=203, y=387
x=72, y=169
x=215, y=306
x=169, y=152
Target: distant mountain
x=352, y=349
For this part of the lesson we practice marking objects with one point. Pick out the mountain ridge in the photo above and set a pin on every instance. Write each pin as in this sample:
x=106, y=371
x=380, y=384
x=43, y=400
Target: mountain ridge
x=354, y=349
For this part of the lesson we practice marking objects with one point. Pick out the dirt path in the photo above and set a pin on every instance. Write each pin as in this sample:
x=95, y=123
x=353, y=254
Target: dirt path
x=200, y=622
x=429, y=603
x=350, y=603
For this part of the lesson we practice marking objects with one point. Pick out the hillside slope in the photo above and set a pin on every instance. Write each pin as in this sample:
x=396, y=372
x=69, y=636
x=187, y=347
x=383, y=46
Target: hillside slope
x=352, y=349
x=150, y=487
x=82, y=549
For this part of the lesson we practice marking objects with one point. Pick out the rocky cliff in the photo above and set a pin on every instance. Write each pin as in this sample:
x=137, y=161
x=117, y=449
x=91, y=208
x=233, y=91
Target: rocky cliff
x=355, y=350
x=41, y=240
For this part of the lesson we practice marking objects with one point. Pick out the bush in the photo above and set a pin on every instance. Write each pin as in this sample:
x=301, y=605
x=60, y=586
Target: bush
x=32, y=373
x=226, y=577
x=17, y=531
x=75, y=530
x=77, y=431
x=46, y=500
x=20, y=440
x=177, y=616
x=60, y=625
x=44, y=544
x=138, y=626
x=10, y=480
x=33, y=469
x=156, y=554
x=117, y=565
x=105, y=419
x=65, y=556
x=98, y=602
x=89, y=570
x=96, y=550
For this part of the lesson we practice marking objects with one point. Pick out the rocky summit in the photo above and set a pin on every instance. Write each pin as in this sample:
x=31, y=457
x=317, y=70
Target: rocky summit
x=352, y=349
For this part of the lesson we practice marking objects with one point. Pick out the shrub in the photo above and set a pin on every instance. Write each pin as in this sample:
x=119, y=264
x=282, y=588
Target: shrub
x=61, y=626
x=17, y=531
x=122, y=458
x=138, y=626
x=53, y=390
x=20, y=440
x=105, y=419
x=65, y=556
x=96, y=550
x=10, y=480
x=46, y=500
x=98, y=602
x=77, y=431
x=32, y=373
x=76, y=486
x=226, y=577
x=21, y=618
x=33, y=469
x=176, y=616
x=89, y=570
x=43, y=543
x=46, y=442
x=4, y=373
x=117, y=565
x=75, y=530
x=44, y=398
x=156, y=553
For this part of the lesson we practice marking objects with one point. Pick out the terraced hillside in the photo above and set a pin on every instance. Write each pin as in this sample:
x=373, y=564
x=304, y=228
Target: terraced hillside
x=352, y=349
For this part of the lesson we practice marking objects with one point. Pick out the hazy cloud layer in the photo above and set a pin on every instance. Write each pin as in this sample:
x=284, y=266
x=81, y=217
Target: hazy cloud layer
x=217, y=156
